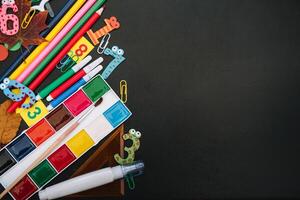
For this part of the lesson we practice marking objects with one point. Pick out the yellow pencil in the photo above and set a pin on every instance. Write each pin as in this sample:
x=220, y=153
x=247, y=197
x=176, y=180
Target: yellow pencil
x=49, y=37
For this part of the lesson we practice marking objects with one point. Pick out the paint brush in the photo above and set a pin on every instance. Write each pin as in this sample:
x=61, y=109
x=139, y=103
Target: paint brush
x=53, y=146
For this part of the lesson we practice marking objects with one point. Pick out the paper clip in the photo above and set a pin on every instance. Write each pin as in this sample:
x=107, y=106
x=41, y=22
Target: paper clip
x=123, y=91
x=27, y=19
x=103, y=46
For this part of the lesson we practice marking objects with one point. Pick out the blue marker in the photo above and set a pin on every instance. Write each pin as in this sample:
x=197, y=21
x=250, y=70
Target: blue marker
x=74, y=88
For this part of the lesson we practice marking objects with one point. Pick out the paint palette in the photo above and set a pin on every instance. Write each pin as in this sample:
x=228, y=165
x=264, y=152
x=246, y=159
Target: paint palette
x=19, y=154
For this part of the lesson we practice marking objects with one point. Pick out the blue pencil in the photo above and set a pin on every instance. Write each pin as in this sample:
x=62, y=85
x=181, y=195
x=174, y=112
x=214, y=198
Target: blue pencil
x=51, y=25
x=74, y=88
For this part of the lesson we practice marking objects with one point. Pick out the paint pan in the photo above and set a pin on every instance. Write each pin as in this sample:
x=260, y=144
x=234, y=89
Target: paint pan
x=19, y=154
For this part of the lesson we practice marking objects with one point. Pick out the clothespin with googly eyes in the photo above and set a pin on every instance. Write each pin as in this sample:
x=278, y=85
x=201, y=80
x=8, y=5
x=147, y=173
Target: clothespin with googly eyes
x=117, y=53
x=24, y=91
x=103, y=44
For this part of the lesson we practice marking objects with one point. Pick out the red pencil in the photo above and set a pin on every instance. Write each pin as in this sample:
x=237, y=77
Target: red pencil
x=51, y=66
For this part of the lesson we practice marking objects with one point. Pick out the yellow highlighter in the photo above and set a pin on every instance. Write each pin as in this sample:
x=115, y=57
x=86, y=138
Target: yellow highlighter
x=49, y=37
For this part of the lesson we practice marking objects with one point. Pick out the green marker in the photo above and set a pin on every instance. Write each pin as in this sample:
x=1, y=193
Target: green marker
x=42, y=94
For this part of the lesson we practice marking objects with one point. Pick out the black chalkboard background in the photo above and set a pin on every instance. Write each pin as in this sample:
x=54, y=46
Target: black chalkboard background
x=214, y=88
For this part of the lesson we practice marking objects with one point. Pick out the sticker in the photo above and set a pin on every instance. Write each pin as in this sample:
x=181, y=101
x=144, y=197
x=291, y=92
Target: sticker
x=118, y=59
x=80, y=50
x=6, y=18
x=8, y=84
x=111, y=24
x=33, y=114
x=134, y=136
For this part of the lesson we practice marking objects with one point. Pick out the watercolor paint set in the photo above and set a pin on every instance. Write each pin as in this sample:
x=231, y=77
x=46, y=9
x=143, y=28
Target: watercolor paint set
x=31, y=143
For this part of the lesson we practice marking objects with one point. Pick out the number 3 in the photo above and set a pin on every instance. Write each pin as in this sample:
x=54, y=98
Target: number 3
x=37, y=112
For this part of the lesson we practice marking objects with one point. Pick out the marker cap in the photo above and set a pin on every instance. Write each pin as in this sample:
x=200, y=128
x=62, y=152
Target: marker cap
x=80, y=65
x=94, y=64
x=92, y=73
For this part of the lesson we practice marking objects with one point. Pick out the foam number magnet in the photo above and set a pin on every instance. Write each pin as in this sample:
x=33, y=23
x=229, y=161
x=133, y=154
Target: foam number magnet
x=24, y=91
x=6, y=18
x=134, y=136
x=80, y=50
x=111, y=24
x=32, y=115
x=118, y=59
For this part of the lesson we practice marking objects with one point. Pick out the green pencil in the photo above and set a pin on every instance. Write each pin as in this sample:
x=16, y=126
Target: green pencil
x=63, y=42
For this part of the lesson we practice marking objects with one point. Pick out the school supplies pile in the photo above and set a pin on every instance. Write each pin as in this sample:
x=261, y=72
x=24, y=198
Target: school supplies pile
x=77, y=111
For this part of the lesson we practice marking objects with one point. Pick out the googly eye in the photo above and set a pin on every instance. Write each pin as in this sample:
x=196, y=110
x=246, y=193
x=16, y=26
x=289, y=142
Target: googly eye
x=6, y=81
x=132, y=131
x=115, y=49
x=138, y=134
x=2, y=86
x=120, y=52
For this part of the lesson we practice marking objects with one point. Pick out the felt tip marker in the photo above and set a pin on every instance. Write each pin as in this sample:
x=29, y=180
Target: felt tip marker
x=74, y=88
x=90, y=180
x=42, y=94
x=63, y=87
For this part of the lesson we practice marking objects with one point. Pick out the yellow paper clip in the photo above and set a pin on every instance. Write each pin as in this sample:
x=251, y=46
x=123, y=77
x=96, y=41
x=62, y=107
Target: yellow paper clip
x=27, y=19
x=123, y=91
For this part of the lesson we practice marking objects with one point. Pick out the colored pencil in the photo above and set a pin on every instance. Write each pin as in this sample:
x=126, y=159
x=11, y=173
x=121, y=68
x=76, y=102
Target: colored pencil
x=43, y=93
x=51, y=25
x=74, y=88
x=59, y=37
x=60, y=89
x=49, y=37
x=65, y=49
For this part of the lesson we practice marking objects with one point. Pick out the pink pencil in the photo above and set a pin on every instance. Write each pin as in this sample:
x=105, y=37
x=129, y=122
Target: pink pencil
x=56, y=40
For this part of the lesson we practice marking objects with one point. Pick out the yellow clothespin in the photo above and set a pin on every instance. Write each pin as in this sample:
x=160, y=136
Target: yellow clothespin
x=27, y=19
x=123, y=91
